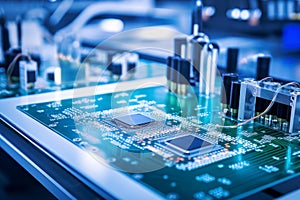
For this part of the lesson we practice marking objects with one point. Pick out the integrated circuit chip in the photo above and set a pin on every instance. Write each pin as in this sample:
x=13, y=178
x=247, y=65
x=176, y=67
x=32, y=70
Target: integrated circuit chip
x=190, y=144
x=133, y=120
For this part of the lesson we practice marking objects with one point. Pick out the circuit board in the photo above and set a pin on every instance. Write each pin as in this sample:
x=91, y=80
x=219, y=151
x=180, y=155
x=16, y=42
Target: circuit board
x=172, y=144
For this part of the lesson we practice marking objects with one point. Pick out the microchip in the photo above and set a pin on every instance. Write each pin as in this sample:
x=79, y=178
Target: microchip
x=134, y=120
x=190, y=144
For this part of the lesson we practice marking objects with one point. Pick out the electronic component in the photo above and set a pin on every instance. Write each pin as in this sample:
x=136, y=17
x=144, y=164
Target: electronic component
x=194, y=62
x=256, y=96
x=133, y=120
x=263, y=66
x=209, y=70
x=169, y=71
x=234, y=98
x=232, y=60
x=122, y=65
x=53, y=75
x=204, y=55
x=28, y=74
x=188, y=145
x=198, y=57
x=183, y=76
x=178, y=68
x=172, y=73
x=228, y=78
x=116, y=69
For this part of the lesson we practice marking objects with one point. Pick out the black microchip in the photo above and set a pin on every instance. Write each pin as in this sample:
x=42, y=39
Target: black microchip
x=134, y=120
x=188, y=143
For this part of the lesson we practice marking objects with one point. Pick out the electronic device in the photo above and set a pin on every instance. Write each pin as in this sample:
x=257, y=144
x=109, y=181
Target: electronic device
x=151, y=143
x=197, y=133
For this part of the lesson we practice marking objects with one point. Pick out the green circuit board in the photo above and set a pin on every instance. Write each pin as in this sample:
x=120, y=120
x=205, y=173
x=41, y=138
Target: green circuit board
x=172, y=144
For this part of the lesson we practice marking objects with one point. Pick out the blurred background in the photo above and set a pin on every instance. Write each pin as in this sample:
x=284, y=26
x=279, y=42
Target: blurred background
x=255, y=26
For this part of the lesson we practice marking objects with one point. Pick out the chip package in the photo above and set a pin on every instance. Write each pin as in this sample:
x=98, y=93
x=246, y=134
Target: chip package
x=190, y=144
x=133, y=120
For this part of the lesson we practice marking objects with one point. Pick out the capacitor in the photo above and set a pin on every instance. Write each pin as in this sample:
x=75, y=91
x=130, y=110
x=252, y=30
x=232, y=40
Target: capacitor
x=228, y=78
x=174, y=73
x=169, y=65
x=234, y=98
x=198, y=54
x=116, y=69
x=208, y=73
x=183, y=76
x=232, y=60
x=263, y=66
